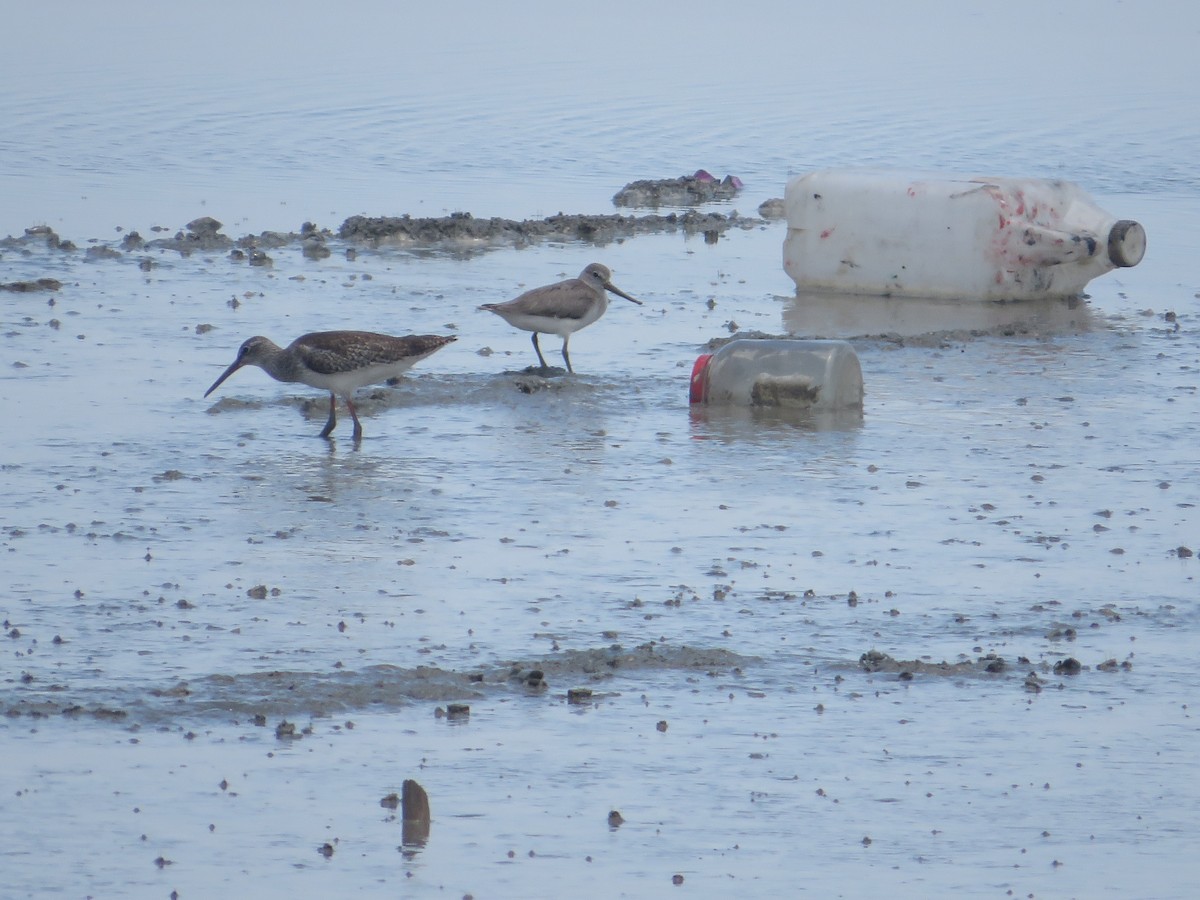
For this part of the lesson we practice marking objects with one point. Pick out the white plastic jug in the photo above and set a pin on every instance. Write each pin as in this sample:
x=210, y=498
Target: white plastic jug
x=888, y=233
x=786, y=374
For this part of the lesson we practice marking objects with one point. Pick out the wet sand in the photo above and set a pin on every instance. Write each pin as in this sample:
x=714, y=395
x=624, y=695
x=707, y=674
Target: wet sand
x=624, y=647
x=950, y=637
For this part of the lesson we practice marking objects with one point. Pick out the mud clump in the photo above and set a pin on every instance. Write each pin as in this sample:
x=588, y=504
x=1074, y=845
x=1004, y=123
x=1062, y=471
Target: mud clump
x=459, y=232
x=463, y=230
x=94, y=254
x=772, y=209
x=203, y=233
x=1068, y=666
x=534, y=680
x=314, y=247
x=607, y=661
x=38, y=234
x=877, y=661
x=687, y=190
x=24, y=287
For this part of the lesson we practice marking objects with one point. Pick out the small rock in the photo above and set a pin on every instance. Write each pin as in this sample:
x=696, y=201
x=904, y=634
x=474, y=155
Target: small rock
x=41, y=284
x=101, y=252
x=772, y=209
x=205, y=225
x=1068, y=666
x=314, y=248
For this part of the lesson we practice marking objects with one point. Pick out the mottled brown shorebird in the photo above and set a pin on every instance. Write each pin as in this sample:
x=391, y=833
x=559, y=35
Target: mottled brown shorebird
x=562, y=308
x=336, y=361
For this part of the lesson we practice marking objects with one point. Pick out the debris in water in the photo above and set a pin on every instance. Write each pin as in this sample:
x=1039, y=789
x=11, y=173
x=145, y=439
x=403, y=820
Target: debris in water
x=22, y=287
x=772, y=209
x=687, y=190
x=1068, y=666
x=415, y=815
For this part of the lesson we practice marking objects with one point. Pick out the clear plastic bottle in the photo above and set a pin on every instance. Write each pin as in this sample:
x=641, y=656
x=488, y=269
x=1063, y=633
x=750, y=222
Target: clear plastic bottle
x=895, y=234
x=785, y=374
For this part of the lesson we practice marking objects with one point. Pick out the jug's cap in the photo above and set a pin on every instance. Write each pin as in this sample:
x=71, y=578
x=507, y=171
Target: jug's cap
x=1126, y=243
x=699, y=391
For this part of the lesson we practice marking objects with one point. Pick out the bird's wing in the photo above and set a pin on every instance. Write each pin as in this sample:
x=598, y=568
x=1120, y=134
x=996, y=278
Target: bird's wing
x=569, y=299
x=332, y=352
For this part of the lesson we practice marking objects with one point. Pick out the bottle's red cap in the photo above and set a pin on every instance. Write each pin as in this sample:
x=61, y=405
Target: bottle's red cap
x=699, y=391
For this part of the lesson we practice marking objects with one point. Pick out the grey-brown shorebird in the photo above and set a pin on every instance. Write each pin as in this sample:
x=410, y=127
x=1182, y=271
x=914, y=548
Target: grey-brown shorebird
x=561, y=308
x=336, y=361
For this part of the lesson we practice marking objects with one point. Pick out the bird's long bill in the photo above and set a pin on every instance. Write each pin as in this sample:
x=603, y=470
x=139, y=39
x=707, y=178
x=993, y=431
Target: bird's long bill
x=608, y=285
x=233, y=367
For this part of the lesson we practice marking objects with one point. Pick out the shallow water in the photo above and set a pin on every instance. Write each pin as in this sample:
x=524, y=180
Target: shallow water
x=184, y=574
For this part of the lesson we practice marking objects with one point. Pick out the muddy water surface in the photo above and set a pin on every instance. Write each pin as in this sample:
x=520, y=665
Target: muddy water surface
x=947, y=648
